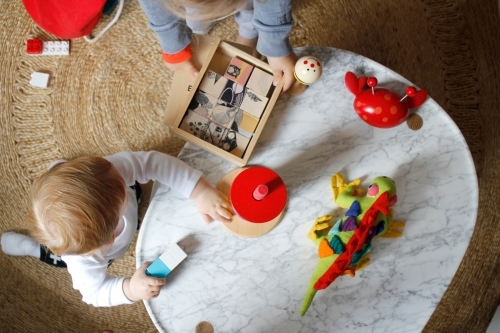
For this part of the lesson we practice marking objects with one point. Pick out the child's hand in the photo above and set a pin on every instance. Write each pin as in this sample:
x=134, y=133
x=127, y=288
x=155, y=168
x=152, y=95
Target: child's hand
x=141, y=286
x=187, y=66
x=285, y=67
x=211, y=203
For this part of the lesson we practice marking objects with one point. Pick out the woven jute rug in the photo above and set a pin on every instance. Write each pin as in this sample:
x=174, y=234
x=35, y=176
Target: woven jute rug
x=110, y=96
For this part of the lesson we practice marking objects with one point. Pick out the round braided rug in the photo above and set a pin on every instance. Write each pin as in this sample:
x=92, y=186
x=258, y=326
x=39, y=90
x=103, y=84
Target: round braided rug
x=110, y=96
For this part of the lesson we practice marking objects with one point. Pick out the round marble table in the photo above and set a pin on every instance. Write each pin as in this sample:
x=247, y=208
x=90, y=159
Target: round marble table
x=258, y=284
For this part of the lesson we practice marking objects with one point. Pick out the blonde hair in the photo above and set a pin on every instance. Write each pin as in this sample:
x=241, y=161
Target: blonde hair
x=76, y=206
x=204, y=10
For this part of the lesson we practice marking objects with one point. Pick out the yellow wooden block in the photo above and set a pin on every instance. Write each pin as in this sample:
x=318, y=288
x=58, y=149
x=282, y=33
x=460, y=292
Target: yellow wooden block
x=248, y=122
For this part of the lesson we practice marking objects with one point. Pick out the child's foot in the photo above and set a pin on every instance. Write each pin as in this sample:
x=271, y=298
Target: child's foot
x=16, y=244
x=252, y=43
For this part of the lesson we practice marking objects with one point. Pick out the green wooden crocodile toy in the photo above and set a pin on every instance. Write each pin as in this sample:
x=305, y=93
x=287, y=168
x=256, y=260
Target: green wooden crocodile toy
x=344, y=247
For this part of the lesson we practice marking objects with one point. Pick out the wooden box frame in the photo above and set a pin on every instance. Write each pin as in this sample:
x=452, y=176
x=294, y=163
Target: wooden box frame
x=214, y=54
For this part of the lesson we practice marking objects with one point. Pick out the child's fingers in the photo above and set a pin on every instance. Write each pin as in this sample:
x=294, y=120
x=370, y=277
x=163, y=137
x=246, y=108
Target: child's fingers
x=224, y=212
x=224, y=197
x=152, y=281
x=216, y=216
x=154, y=289
x=206, y=218
x=227, y=206
x=288, y=80
x=152, y=294
x=277, y=77
x=143, y=267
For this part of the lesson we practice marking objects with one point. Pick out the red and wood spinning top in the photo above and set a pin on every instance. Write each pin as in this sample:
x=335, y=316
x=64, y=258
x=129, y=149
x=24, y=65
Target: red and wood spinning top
x=258, y=197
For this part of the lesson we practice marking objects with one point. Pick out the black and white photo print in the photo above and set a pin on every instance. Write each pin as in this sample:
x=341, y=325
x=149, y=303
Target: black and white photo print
x=233, y=93
x=202, y=103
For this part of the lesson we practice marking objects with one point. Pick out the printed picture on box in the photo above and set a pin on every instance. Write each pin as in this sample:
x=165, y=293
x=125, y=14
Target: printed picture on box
x=224, y=114
x=210, y=131
x=253, y=97
x=233, y=93
x=198, y=128
x=233, y=70
x=229, y=142
x=202, y=104
x=214, y=76
x=215, y=134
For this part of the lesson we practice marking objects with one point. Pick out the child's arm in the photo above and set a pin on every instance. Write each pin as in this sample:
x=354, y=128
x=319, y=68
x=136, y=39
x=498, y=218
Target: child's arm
x=89, y=276
x=152, y=165
x=168, y=170
x=173, y=34
x=100, y=289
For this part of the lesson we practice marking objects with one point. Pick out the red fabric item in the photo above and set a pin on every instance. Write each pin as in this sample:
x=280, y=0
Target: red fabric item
x=65, y=18
x=355, y=243
x=178, y=57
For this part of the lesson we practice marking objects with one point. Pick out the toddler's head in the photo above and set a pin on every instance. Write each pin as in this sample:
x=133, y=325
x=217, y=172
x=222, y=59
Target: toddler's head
x=76, y=206
x=205, y=10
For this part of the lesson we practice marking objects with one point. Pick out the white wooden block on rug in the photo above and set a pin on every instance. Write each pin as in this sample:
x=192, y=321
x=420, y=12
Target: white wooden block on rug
x=40, y=80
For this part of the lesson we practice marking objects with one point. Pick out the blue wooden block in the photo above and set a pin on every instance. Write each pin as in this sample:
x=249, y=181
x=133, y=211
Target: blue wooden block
x=158, y=269
x=166, y=263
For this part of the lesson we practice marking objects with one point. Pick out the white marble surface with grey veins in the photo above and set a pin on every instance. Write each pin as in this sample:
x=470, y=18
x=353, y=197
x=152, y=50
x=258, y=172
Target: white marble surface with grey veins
x=257, y=285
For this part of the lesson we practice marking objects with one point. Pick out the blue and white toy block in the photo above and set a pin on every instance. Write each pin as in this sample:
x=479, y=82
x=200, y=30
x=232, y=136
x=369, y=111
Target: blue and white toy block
x=166, y=263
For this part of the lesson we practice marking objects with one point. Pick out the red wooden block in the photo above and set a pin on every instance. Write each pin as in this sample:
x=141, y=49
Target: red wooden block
x=34, y=46
x=242, y=195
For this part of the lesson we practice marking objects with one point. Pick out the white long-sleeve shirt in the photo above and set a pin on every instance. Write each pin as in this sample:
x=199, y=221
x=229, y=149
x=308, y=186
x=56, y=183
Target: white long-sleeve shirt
x=89, y=272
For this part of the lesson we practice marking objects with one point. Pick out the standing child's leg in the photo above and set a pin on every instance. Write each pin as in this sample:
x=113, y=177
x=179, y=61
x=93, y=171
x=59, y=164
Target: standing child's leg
x=196, y=26
x=247, y=35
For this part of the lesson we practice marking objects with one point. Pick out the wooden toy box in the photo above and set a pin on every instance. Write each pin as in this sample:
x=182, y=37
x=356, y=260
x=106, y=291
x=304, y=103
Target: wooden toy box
x=212, y=54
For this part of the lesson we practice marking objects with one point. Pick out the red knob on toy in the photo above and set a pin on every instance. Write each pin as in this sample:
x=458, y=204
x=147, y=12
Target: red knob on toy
x=260, y=192
x=372, y=81
x=411, y=91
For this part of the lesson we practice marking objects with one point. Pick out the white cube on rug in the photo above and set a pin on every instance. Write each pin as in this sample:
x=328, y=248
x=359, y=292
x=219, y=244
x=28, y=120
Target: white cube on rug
x=40, y=80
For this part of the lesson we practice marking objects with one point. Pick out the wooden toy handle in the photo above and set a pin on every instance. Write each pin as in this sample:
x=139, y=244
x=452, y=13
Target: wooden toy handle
x=260, y=192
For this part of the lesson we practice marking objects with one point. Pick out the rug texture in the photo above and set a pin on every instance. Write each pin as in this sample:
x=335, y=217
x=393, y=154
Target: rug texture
x=110, y=96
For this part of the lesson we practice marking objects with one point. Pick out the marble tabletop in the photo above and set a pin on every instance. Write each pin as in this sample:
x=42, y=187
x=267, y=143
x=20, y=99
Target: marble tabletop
x=258, y=284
